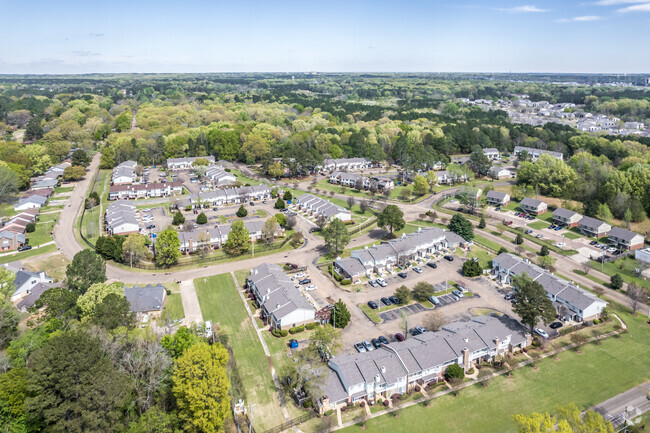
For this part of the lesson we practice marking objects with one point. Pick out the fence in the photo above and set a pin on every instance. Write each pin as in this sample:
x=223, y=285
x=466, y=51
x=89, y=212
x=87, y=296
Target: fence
x=292, y=423
x=83, y=214
x=362, y=226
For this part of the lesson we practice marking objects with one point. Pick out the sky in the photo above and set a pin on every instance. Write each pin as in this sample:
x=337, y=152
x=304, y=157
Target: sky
x=64, y=36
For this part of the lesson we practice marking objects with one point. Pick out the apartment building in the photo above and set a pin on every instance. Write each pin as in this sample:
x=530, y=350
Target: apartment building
x=346, y=164
x=497, y=198
x=533, y=206
x=566, y=218
x=124, y=173
x=176, y=164
x=534, y=154
x=625, y=239
x=593, y=227
x=221, y=197
x=216, y=236
x=121, y=218
x=317, y=206
x=136, y=191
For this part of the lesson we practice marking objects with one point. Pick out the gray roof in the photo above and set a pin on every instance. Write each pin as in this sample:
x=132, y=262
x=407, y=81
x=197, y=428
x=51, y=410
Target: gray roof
x=591, y=222
x=352, y=266
x=22, y=277
x=281, y=296
x=189, y=159
x=564, y=213
x=145, y=299
x=34, y=294
x=531, y=202
x=624, y=234
x=497, y=195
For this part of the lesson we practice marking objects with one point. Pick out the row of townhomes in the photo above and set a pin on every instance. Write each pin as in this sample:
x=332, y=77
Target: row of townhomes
x=283, y=305
x=124, y=173
x=618, y=237
x=135, y=191
x=317, y=207
x=228, y=196
x=176, y=164
x=49, y=179
x=570, y=301
x=534, y=154
x=121, y=218
x=384, y=256
x=492, y=153
x=13, y=232
x=346, y=164
x=399, y=367
x=33, y=199
x=351, y=180
x=444, y=177
x=217, y=236
x=218, y=176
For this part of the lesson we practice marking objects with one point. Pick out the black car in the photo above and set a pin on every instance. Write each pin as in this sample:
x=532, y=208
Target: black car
x=432, y=265
x=556, y=325
x=383, y=339
x=375, y=342
x=386, y=301
x=305, y=281
x=215, y=209
x=373, y=305
x=402, y=275
x=25, y=248
x=151, y=226
x=314, y=229
x=252, y=203
x=394, y=300
x=592, y=243
x=450, y=258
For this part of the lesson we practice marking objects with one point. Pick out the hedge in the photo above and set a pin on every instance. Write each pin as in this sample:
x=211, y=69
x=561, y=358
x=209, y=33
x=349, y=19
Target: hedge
x=346, y=282
x=284, y=332
x=312, y=325
x=297, y=329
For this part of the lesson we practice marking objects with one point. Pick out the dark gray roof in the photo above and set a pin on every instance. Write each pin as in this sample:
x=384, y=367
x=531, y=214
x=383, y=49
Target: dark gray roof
x=498, y=195
x=624, y=234
x=352, y=266
x=591, y=222
x=22, y=277
x=35, y=294
x=532, y=202
x=564, y=213
x=145, y=299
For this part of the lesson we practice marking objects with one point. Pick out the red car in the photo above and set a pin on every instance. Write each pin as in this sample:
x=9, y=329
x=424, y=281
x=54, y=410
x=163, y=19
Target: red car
x=399, y=337
x=508, y=223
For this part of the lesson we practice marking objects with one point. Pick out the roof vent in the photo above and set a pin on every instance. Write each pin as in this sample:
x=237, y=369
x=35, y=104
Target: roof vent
x=377, y=377
x=466, y=339
x=383, y=369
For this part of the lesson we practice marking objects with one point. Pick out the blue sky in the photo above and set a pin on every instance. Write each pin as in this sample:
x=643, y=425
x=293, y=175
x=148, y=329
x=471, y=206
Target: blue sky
x=278, y=36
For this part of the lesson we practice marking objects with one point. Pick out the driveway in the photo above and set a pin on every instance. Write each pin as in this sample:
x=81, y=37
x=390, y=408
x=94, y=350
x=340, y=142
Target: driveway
x=190, y=301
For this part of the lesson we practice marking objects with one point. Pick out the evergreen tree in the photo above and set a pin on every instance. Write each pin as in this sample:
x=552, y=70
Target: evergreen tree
x=239, y=239
x=340, y=315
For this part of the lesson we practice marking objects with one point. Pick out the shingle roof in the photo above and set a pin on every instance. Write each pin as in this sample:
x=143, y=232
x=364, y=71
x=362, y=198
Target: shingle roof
x=564, y=213
x=147, y=298
x=497, y=195
x=531, y=202
x=591, y=222
x=624, y=234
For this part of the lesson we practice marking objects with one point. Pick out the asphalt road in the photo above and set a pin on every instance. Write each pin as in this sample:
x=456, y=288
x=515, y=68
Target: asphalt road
x=615, y=408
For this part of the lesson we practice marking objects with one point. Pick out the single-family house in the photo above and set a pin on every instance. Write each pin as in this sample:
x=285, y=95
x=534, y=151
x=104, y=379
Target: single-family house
x=566, y=218
x=497, y=172
x=625, y=239
x=33, y=201
x=45, y=184
x=533, y=206
x=593, y=227
x=34, y=295
x=146, y=299
x=11, y=241
x=25, y=281
x=497, y=198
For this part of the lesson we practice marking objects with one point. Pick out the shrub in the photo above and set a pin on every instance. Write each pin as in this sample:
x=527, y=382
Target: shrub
x=363, y=403
x=169, y=292
x=308, y=404
x=242, y=212
x=596, y=321
x=297, y=329
x=202, y=218
x=346, y=282
x=329, y=412
x=284, y=332
x=312, y=325
x=29, y=228
x=417, y=388
x=344, y=408
x=276, y=332
x=454, y=371
x=385, y=403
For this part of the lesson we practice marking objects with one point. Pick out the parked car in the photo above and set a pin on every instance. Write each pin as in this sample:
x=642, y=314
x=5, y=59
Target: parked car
x=507, y=223
x=25, y=248
x=215, y=209
x=367, y=345
x=556, y=325
x=592, y=243
x=381, y=282
x=394, y=300
x=314, y=229
x=539, y=235
x=151, y=226
x=498, y=208
x=432, y=265
x=360, y=347
x=252, y=203
x=558, y=228
x=195, y=211
x=146, y=210
x=449, y=258
x=305, y=281
x=401, y=275
x=383, y=339
x=399, y=337
x=385, y=301
x=376, y=343
x=434, y=300
x=373, y=305
x=300, y=275
x=418, y=330
x=458, y=293
x=455, y=298
x=529, y=231
x=417, y=269
x=541, y=332
x=560, y=245
x=509, y=296
x=311, y=287
x=552, y=226
x=611, y=249
x=372, y=283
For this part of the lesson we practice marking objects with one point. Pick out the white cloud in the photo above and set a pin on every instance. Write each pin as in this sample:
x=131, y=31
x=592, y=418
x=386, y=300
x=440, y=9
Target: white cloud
x=524, y=9
x=636, y=8
x=618, y=2
x=585, y=18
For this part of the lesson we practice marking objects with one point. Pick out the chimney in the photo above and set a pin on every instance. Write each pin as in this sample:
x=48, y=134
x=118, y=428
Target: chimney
x=377, y=377
x=466, y=358
x=496, y=342
x=42, y=275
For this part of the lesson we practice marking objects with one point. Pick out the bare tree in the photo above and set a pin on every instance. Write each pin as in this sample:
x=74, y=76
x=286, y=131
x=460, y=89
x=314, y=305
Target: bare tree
x=321, y=221
x=404, y=323
x=638, y=295
x=435, y=321
x=364, y=205
x=599, y=291
x=291, y=221
x=203, y=241
x=578, y=339
x=586, y=267
x=351, y=202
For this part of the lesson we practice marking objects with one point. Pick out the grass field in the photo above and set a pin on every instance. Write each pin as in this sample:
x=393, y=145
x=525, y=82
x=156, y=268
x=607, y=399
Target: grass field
x=173, y=307
x=261, y=213
x=26, y=254
x=574, y=377
x=625, y=267
x=54, y=265
x=61, y=189
x=571, y=235
x=42, y=233
x=538, y=225
x=220, y=303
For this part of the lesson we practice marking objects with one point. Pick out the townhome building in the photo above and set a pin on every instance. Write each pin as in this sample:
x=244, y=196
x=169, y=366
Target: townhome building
x=346, y=164
x=533, y=206
x=570, y=301
x=121, y=218
x=218, y=176
x=566, y=218
x=225, y=196
x=444, y=177
x=176, y=164
x=625, y=239
x=536, y=153
x=497, y=198
x=643, y=255
x=124, y=173
x=593, y=227
x=283, y=305
x=11, y=241
x=399, y=367
x=34, y=201
x=349, y=179
x=136, y=191
x=316, y=207
x=215, y=237
x=497, y=172
x=492, y=153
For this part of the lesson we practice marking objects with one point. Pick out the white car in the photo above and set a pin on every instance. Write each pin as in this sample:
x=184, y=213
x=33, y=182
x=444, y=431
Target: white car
x=310, y=287
x=541, y=332
x=417, y=269
x=382, y=282
x=611, y=250
x=146, y=210
x=560, y=245
x=300, y=275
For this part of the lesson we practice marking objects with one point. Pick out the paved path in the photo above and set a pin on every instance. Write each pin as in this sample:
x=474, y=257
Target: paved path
x=191, y=305
x=12, y=253
x=635, y=401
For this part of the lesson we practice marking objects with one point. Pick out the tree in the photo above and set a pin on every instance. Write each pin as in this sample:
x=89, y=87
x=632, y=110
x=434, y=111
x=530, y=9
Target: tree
x=9, y=319
x=60, y=304
x=472, y=268
x=403, y=295
x=481, y=223
x=201, y=388
x=291, y=221
x=80, y=157
x=270, y=230
x=95, y=295
x=33, y=129
x=545, y=262
x=544, y=251
x=178, y=218
x=364, y=205
x=9, y=183
x=351, y=202
x=276, y=169
x=462, y=227
x=287, y=196
x=74, y=387
x=203, y=218
x=422, y=291
x=340, y=316
x=321, y=221
x=532, y=303
x=30, y=227
x=73, y=172
x=551, y=176
x=168, y=248
x=113, y=312
x=519, y=239
x=391, y=217
x=239, y=239
x=432, y=179
x=638, y=295
x=155, y=420
x=616, y=282
x=279, y=203
x=86, y=269
x=325, y=336
x=479, y=163
x=336, y=236
x=7, y=279
x=405, y=193
x=179, y=342
x=281, y=219
x=13, y=392
x=435, y=321
x=454, y=371
x=297, y=239
x=203, y=244
x=134, y=248
x=603, y=212
x=569, y=420
x=420, y=185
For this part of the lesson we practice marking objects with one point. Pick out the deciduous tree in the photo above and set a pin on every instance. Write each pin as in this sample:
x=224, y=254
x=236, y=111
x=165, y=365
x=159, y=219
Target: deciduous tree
x=87, y=268
x=392, y=218
x=239, y=239
x=168, y=248
x=532, y=303
x=336, y=236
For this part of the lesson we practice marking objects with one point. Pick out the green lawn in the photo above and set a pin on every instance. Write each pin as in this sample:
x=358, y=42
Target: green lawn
x=575, y=377
x=260, y=213
x=42, y=233
x=571, y=235
x=7, y=210
x=173, y=307
x=223, y=219
x=482, y=254
x=61, y=189
x=26, y=254
x=243, y=178
x=487, y=243
x=538, y=225
x=220, y=303
x=627, y=270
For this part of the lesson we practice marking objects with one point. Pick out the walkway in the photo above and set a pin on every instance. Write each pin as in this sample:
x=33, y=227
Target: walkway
x=190, y=301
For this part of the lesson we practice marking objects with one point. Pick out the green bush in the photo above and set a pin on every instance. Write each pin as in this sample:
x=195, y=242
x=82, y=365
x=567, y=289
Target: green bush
x=312, y=325
x=454, y=371
x=308, y=404
x=202, y=218
x=276, y=332
x=284, y=332
x=169, y=292
x=596, y=321
x=346, y=282
x=29, y=228
x=297, y=329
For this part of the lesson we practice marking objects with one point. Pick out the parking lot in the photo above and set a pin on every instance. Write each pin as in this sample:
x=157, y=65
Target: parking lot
x=397, y=312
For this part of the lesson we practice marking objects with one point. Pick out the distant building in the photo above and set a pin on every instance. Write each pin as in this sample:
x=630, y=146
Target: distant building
x=317, y=206
x=533, y=206
x=536, y=153
x=566, y=218
x=346, y=164
x=124, y=173
x=131, y=192
x=497, y=198
x=175, y=164
x=492, y=153
x=219, y=176
x=121, y=218
x=25, y=281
